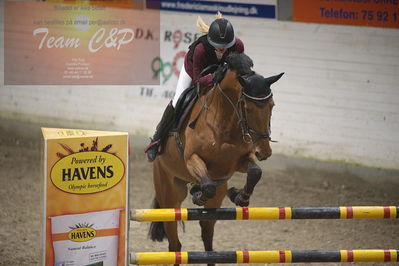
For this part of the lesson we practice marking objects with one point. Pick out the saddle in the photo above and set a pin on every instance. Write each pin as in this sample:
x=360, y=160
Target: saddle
x=185, y=104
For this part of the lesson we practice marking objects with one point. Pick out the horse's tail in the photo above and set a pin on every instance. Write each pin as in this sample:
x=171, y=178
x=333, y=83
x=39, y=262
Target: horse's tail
x=157, y=231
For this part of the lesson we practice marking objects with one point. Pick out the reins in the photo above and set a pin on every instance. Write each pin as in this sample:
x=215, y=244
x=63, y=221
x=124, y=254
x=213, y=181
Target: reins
x=204, y=103
x=241, y=115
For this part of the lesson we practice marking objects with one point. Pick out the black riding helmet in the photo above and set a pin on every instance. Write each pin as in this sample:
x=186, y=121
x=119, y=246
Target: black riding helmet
x=221, y=34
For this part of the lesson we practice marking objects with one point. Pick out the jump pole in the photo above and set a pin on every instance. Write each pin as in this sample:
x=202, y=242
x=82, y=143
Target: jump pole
x=265, y=213
x=276, y=256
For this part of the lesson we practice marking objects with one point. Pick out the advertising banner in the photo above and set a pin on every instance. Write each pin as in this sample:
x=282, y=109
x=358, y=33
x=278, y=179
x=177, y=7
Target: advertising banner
x=50, y=43
x=376, y=13
x=263, y=9
x=175, y=41
x=85, y=212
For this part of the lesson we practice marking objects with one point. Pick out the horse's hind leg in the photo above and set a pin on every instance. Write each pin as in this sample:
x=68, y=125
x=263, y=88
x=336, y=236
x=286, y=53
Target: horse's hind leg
x=207, y=227
x=173, y=199
x=170, y=193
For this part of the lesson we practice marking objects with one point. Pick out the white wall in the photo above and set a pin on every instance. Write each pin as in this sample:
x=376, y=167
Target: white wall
x=339, y=98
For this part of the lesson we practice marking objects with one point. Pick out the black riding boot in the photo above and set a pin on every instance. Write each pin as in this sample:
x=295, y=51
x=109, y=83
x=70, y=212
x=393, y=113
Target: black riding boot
x=161, y=132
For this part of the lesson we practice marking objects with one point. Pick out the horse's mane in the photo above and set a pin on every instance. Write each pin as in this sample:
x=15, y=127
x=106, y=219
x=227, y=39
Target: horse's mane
x=241, y=63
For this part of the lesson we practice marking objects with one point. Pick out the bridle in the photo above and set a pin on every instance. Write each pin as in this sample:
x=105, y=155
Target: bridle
x=241, y=111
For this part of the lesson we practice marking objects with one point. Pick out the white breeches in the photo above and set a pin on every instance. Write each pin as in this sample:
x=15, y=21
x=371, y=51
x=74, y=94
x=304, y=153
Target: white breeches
x=183, y=83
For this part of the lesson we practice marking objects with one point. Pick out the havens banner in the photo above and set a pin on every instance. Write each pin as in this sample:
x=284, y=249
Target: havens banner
x=47, y=43
x=375, y=13
x=85, y=197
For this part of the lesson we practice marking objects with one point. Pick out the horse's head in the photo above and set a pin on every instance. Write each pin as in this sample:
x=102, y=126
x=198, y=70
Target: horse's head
x=258, y=108
x=254, y=100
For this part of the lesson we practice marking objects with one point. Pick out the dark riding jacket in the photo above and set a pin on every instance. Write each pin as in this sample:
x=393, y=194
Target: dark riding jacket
x=201, y=54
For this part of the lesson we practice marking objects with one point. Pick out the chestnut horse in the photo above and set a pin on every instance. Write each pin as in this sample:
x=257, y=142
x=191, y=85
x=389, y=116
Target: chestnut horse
x=231, y=131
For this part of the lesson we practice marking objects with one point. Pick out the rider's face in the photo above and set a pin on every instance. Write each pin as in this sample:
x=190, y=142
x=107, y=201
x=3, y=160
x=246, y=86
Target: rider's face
x=220, y=50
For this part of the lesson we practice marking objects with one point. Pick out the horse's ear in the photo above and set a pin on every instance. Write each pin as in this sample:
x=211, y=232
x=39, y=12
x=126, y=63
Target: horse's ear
x=243, y=81
x=270, y=80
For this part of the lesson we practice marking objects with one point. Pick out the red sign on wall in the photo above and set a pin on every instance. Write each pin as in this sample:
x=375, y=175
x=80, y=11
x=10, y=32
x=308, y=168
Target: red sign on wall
x=375, y=13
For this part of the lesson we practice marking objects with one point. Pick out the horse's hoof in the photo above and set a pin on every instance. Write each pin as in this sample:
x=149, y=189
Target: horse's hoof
x=209, y=190
x=232, y=194
x=242, y=203
x=242, y=199
x=238, y=197
x=197, y=198
x=195, y=188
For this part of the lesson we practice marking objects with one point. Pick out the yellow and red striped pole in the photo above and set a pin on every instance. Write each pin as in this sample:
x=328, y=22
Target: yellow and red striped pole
x=276, y=256
x=266, y=213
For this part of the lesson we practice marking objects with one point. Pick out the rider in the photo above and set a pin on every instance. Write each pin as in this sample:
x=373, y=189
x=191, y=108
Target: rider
x=211, y=48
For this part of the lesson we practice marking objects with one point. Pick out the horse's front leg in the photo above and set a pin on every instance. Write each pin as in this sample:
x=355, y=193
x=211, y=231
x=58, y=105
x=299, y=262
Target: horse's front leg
x=240, y=197
x=207, y=187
